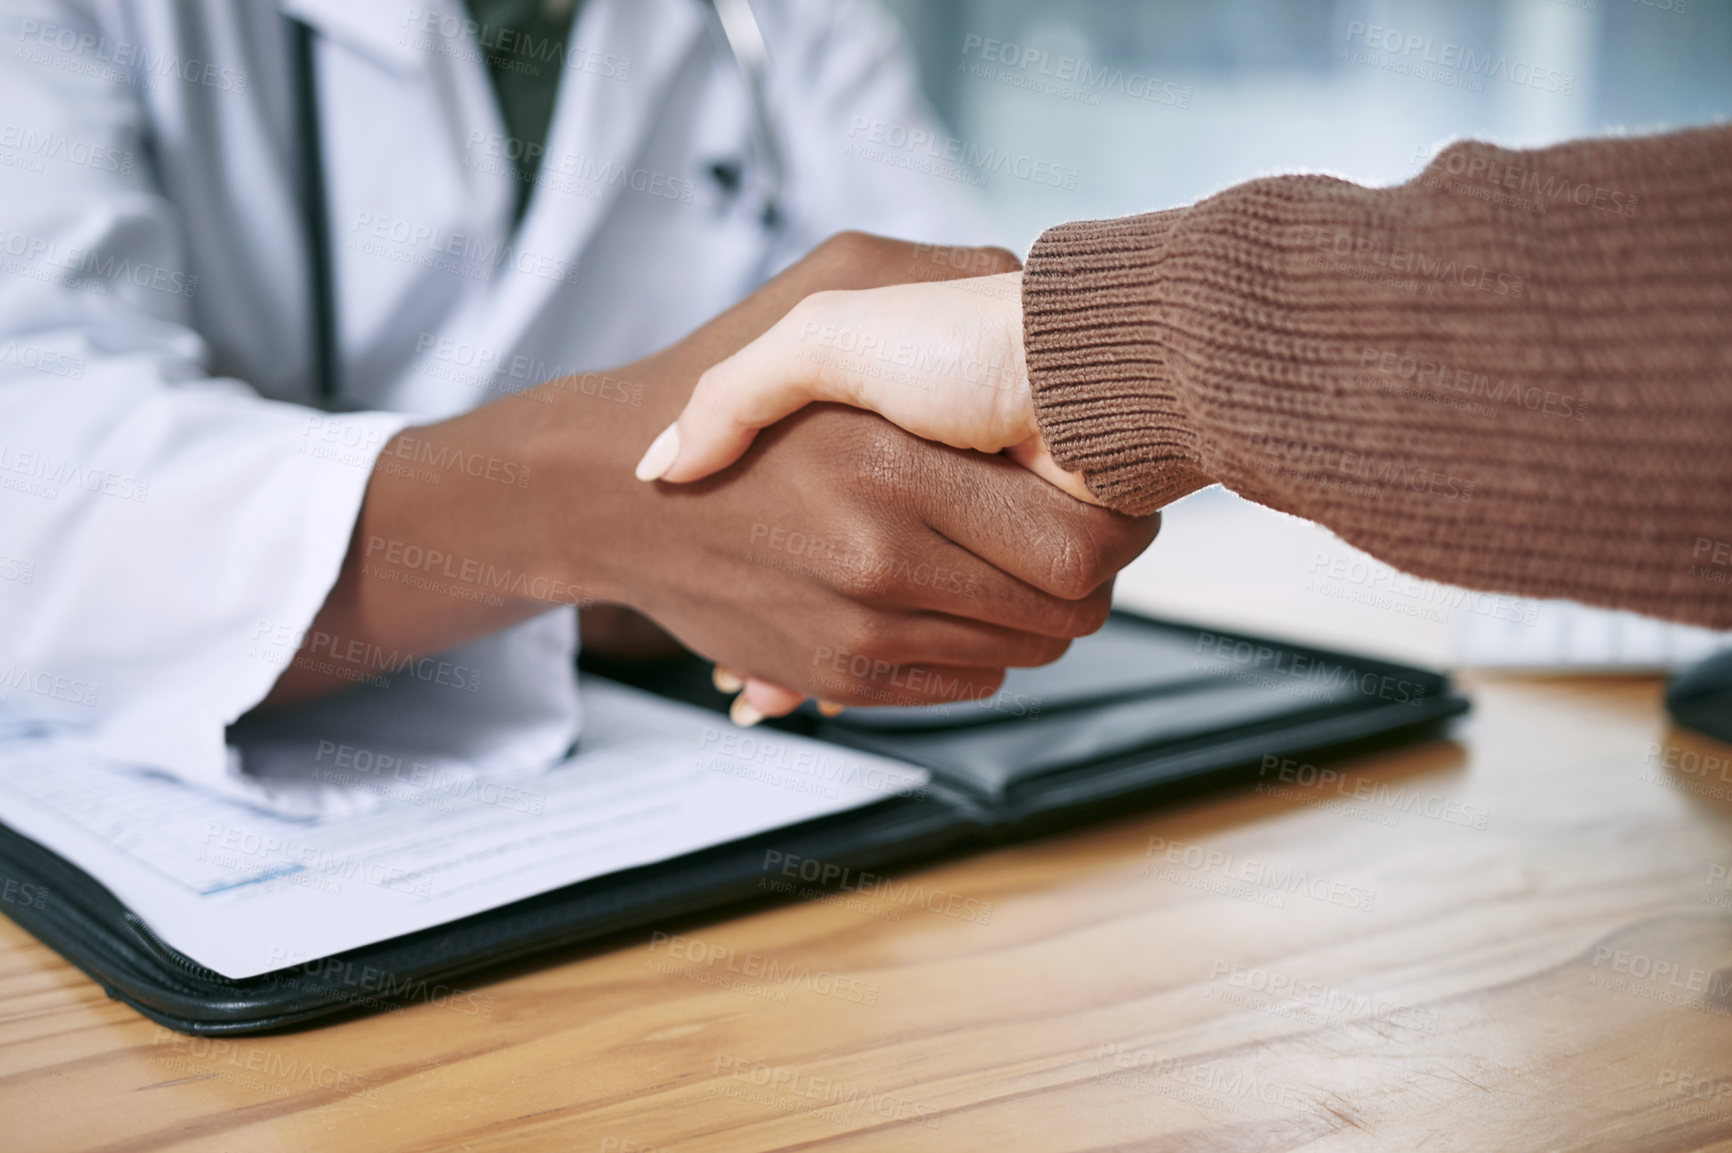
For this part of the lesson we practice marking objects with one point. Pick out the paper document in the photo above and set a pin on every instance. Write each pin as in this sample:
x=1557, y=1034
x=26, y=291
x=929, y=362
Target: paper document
x=244, y=892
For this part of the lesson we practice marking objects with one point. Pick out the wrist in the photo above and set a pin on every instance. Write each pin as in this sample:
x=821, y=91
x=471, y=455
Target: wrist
x=448, y=521
x=426, y=554
x=581, y=435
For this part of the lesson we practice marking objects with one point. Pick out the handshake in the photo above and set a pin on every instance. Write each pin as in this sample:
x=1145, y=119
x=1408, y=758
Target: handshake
x=842, y=490
x=808, y=549
x=913, y=571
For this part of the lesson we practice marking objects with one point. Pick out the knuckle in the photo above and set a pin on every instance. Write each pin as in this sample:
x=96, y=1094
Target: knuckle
x=854, y=254
x=864, y=582
x=870, y=455
x=849, y=241
x=889, y=458
x=713, y=390
x=1078, y=564
x=1044, y=651
x=1089, y=615
x=867, y=634
x=865, y=575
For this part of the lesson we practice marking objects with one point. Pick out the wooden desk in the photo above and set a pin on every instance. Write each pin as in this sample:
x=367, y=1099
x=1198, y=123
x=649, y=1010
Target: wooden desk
x=1560, y=978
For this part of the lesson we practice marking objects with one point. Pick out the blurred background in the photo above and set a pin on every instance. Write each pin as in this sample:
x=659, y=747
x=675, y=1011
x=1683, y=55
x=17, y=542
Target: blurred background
x=1120, y=106
x=1123, y=106
x=1234, y=89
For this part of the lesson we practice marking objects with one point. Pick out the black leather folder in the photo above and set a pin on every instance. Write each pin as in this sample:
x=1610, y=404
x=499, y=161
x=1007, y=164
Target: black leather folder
x=1144, y=711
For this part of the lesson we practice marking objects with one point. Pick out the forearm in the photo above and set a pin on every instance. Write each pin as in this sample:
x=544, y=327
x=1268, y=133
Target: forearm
x=466, y=528
x=1522, y=394
x=427, y=568
x=419, y=575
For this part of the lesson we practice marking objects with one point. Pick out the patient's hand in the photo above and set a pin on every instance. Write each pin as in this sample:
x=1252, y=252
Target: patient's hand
x=942, y=360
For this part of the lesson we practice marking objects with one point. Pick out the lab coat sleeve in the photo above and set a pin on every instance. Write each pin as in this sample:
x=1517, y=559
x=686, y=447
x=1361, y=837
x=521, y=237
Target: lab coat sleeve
x=165, y=536
x=863, y=147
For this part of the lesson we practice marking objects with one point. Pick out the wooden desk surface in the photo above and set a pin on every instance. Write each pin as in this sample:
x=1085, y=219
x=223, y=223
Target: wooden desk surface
x=1358, y=964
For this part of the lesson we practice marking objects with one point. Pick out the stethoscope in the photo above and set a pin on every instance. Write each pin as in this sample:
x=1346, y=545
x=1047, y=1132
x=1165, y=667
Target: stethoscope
x=739, y=32
x=745, y=41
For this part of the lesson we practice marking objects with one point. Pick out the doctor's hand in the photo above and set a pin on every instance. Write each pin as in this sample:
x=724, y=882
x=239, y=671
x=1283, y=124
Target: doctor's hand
x=942, y=360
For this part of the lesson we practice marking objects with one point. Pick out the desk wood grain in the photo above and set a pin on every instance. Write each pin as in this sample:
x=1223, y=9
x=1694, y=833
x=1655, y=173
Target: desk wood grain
x=1520, y=940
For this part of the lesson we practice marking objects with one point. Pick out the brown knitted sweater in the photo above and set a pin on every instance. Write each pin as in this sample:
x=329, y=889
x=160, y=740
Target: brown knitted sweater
x=1513, y=372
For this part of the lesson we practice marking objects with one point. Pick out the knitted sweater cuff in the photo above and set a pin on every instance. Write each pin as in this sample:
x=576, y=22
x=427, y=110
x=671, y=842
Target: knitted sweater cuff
x=1104, y=398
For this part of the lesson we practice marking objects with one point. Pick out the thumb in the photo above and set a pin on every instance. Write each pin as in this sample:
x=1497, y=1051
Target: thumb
x=1032, y=454
x=752, y=389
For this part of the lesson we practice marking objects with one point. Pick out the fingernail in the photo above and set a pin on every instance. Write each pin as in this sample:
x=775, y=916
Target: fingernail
x=661, y=455
x=726, y=681
x=831, y=710
x=743, y=713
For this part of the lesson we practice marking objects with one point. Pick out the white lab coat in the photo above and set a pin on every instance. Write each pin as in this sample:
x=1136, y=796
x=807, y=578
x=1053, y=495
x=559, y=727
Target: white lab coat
x=171, y=514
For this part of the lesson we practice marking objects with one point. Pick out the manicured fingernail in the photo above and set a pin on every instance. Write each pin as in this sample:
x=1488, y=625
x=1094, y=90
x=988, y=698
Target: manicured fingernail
x=743, y=713
x=831, y=710
x=661, y=455
x=725, y=681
